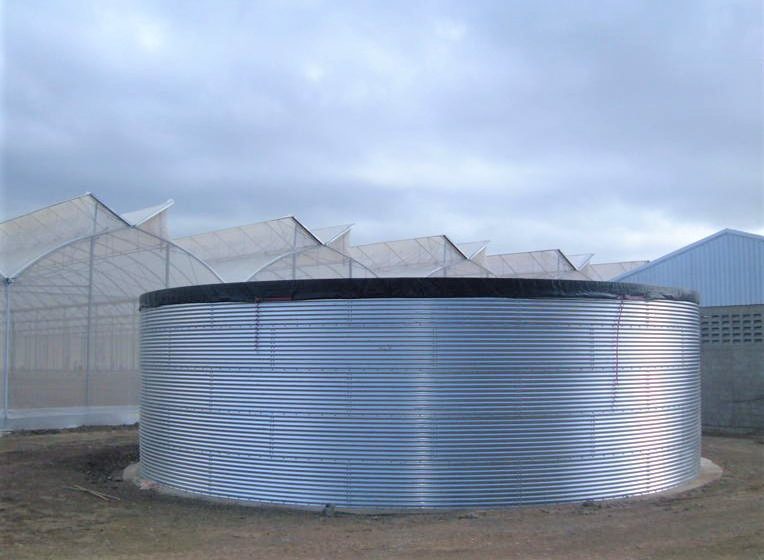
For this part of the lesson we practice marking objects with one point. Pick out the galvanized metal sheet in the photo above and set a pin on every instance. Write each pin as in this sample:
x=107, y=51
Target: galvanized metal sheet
x=726, y=268
x=421, y=403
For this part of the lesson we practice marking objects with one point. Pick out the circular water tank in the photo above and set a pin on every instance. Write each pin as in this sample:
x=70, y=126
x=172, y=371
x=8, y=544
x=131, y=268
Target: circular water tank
x=372, y=394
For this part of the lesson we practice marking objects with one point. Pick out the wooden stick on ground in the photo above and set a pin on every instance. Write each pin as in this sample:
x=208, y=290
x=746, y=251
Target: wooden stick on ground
x=101, y=495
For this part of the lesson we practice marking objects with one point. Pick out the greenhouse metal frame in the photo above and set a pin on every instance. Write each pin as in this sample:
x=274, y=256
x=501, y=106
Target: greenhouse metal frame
x=550, y=263
x=435, y=255
x=337, y=237
x=611, y=270
x=280, y=249
x=72, y=273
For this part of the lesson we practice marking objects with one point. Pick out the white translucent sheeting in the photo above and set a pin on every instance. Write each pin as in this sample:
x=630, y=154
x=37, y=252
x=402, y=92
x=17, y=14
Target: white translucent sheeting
x=337, y=237
x=74, y=326
x=422, y=256
x=239, y=252
x=157, y=225
x=532, y=264
x=312, y=263
x=474, y=250
x=581, y=260
x=609, y=271
x=24, y=238
x=152, y=219
x=463, y=269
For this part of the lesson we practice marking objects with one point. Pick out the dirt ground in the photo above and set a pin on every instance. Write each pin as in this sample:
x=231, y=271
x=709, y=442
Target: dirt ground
x=41, y=516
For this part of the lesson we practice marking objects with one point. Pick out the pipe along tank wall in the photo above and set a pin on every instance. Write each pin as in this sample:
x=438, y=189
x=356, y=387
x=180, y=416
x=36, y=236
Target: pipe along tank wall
x=413, y=393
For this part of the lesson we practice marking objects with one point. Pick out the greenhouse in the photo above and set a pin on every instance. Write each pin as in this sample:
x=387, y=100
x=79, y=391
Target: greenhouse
x=532, y=264
x=474, y=251
x=609, y=271
x=419, y=257
x=336, y=237
x=581, y=260
x=553, y=263
x=72, y=276
x=281, y=249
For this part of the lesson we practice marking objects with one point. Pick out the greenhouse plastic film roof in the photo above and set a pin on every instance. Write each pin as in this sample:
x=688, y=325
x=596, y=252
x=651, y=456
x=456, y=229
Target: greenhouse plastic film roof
x=337, y=237
x=152, y=219
x=608, y=271
x=580, y=260
x=278, y=249
x=530, y=264
x=71, y=311
x=474, y=251
x=26, y=237
x=422, y=256
x=553, y=263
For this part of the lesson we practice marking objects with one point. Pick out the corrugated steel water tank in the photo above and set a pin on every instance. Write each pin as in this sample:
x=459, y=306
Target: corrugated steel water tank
x=420, y=393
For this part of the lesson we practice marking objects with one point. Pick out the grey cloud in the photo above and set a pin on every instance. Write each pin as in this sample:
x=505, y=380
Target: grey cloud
x=620, y=129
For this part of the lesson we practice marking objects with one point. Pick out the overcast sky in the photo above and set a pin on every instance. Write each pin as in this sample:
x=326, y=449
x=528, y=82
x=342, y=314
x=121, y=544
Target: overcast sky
x=625, y=129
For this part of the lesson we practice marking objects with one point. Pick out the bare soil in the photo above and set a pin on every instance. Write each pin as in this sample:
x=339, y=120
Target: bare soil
x=43, y=516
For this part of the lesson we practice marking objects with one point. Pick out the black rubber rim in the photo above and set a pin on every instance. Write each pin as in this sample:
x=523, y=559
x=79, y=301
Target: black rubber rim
x=372, y=288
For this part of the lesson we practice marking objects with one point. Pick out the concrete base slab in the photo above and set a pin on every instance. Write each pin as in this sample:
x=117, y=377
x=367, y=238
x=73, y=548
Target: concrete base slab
x=709, y=472
x=67, y=417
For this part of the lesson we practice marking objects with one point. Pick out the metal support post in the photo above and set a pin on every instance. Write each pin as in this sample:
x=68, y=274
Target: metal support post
x=7, y=351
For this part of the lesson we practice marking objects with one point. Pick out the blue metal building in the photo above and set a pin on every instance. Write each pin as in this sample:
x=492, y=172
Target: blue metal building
x=726, y=268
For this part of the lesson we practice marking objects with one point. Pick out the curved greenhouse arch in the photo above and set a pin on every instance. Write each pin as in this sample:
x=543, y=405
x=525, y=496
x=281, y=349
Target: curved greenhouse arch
x=71, y=316
x=462, y=269
x=338, y=265
x=162, y=240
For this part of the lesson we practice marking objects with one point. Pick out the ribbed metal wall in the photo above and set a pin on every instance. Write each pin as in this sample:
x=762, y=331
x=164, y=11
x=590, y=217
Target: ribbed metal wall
x=421, y=403
x=726, y=268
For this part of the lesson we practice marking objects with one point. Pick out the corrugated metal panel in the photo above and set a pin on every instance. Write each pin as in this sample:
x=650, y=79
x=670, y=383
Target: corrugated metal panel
x=726, y=268
x=421, y=403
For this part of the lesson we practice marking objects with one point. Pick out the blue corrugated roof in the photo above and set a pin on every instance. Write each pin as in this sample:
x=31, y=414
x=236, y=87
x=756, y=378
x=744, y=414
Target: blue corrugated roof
x=726, y=268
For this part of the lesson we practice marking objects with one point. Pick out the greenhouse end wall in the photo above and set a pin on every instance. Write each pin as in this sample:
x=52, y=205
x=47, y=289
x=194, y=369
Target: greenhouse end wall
x=70, y=327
